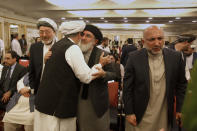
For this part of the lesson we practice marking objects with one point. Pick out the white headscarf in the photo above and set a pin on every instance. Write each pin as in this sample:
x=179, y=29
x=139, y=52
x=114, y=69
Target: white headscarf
x=49, y=21
x=72, y=27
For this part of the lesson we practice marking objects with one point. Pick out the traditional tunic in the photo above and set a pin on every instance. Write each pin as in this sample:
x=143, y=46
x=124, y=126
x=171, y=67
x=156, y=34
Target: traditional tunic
x=155, y=116
x=16, y=47
x=88, y=120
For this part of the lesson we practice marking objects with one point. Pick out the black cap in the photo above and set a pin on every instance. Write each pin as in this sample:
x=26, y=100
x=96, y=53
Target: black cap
x=94, y=30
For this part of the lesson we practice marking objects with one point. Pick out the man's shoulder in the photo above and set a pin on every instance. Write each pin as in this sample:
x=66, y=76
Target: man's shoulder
x=171, y=52
x=100, y=51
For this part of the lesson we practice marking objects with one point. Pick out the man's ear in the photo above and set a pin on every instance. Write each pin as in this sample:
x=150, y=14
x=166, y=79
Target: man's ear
x=142, y=41
x=96, y=42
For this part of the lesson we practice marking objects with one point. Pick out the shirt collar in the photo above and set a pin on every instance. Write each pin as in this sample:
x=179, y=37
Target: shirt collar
x=13, y=66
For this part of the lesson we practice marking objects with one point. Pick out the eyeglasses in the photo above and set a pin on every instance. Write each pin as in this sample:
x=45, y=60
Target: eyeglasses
x=44, y=31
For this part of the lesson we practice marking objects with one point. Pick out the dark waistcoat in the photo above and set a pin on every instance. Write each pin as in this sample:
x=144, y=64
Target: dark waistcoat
x=59, y=88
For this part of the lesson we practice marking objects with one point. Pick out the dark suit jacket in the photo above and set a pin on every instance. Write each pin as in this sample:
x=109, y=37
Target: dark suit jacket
x=125, y=52
x=23, y=45
x=136, y=89
x=35, y=65
x=18, y=72
x=98, y=88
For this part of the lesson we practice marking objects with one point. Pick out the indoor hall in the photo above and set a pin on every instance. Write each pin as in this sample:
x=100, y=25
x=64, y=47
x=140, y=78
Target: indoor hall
x=118, y=20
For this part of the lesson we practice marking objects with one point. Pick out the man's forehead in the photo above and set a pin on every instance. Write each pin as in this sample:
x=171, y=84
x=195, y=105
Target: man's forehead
x=88, y=32
x=45, y=28
x=154, y=32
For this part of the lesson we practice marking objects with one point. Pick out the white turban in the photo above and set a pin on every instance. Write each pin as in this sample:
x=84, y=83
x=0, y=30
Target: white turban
x=49, y=22
x=72, y=27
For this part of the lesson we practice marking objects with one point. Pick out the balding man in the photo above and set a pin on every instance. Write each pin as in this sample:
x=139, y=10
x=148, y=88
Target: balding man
x=153, y=76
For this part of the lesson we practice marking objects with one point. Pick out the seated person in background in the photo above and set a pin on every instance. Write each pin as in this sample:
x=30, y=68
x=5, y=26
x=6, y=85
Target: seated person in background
x=11, y=73
x=20, y=108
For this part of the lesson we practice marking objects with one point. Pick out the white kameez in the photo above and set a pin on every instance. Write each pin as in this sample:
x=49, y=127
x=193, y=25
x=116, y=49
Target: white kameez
x=44, y=122
x=20, y=113
x=155, y=116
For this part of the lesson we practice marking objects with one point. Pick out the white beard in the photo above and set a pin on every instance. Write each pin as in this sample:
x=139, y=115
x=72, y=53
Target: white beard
x=85, y=47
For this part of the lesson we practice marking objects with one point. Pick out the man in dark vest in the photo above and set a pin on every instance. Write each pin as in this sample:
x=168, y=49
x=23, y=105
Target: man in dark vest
x=57, y=97
x=93, y=109
x=47, y=30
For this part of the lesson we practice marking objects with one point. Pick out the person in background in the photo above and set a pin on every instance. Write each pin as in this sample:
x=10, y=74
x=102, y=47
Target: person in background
x=15, y=45
x=153, y=76
x=1, y=49
x=126, y=50
x=11, y=73
x=37, y=40
x=104, y=45
x=20, y=108
x=23, y=44
x=183, y=44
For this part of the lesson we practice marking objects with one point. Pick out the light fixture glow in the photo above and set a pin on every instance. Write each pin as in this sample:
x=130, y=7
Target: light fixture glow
x=102, y=18
x=126, y=21
x=125, y=26
x=125, y=12
x=194, y=21
x=150, y=18
x=88, y=13
x=81, y=18
x=123, y=2
x=167, y=12
x=147, y=21
x=170, y=21
x=105, y=21
x=177, y=18
x=63, y=18
x=125, y=18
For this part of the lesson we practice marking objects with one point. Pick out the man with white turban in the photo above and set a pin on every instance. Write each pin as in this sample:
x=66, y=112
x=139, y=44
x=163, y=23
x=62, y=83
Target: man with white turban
x=57, y=97
x=47, y=30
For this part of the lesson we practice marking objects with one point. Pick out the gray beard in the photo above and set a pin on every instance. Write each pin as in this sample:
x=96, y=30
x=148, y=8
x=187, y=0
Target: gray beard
x=85, y=47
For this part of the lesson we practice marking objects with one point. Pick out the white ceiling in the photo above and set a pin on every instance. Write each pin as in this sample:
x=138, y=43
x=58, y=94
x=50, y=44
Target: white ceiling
x=111, y=14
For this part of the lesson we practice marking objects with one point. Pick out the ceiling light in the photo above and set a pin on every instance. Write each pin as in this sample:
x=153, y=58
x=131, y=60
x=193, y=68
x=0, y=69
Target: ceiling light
x=72, y=5
x=150, y=18
x=63, y=18
x=126, y=21
x=125, y=18
x=81, y=18
x=177, y=18
x=170, y=21
x=105, y=21
x=87, y=21
x=102, y=18
x=147, y=21
x=194, y=21
x=13, y=26
x=123, y=2
x=125, y=12
x=88, y=13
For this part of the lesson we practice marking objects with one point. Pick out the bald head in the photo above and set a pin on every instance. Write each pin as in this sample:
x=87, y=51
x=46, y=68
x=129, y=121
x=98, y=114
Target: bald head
x=151, y=29
x=153, y=39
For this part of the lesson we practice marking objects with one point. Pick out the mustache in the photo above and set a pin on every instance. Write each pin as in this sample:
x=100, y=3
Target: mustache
x=155, y=47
